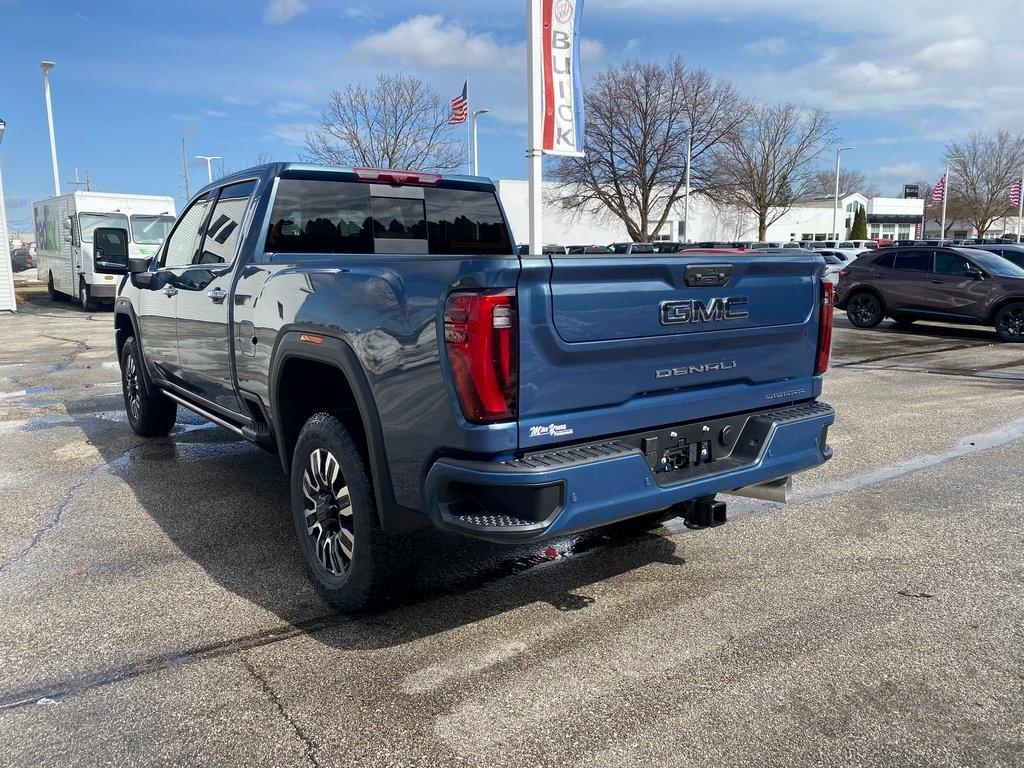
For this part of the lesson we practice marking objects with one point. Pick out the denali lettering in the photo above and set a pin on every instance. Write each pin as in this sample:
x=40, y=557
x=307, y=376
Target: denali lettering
x=697, y=311
x=664, y=373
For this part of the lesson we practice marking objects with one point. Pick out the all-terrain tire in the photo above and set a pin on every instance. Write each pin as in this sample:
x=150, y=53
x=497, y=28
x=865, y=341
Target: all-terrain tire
x=350, y=560
x=149, y=415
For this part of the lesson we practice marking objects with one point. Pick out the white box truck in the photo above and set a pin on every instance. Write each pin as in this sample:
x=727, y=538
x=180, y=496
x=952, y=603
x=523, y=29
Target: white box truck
x=64, y=251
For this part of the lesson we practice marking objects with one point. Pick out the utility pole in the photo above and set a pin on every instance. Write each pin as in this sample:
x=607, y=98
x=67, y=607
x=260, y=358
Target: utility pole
x=184, y=169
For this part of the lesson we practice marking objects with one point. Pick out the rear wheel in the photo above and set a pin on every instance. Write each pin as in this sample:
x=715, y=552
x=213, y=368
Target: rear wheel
x=350, y=560
x=1010, y=322
x=864, y=310
x=55, y=295
x=149, y=415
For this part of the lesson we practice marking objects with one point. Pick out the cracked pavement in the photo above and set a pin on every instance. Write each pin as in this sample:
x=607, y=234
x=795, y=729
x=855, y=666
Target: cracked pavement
x=153, y=609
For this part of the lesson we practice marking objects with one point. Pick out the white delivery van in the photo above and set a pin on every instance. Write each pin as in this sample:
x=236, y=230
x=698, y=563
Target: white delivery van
x=64, y=250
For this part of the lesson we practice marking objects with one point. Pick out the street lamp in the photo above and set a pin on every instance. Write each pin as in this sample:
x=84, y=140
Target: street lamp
x=686, y=198
x=4, y=241
x=476, y=161
x=209, y=168
x=45, y=67
x=835, y=202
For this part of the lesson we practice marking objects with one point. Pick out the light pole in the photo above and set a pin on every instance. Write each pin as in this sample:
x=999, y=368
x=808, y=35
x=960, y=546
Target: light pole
x=945, y=194
x=209, y=168
x=835, y=201
x=686, y=197
x=4, y=241
x=45, y=67
x=476, y=146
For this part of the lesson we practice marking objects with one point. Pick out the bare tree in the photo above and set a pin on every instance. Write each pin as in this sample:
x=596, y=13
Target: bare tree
x=399, y=123
x=956, y=209
x=982, y=168
x=850, y=180
x=772, y=161
x=638, y=119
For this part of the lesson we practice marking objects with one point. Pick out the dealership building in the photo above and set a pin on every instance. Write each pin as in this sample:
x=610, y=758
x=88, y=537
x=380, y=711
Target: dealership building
x=888, y=217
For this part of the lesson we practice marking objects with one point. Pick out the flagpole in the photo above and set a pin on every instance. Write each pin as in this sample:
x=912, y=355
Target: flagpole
x=534, y=150
x=945, y=197
x=1020, y=205
x=469, y=139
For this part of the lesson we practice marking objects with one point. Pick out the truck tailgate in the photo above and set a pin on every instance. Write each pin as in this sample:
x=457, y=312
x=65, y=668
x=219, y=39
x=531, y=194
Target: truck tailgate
x=610, y=344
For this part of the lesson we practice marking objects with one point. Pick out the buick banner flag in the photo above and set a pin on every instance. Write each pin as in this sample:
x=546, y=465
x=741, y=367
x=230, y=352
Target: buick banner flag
x=563, y=88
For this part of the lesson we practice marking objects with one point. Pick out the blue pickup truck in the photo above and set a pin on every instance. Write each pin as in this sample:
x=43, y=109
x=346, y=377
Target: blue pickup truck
x=378, y=331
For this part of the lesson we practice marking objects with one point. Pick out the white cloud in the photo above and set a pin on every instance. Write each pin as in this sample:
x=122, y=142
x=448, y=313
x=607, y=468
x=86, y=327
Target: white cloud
x=279, y=12
x=868, y=74
x=290, y=133
x=962, y=53
x=289, y=108
x=432, y=42
x=215, y=113
x=767, y=46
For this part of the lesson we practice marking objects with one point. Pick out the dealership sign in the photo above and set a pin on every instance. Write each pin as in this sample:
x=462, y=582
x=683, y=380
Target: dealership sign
x=563, y=89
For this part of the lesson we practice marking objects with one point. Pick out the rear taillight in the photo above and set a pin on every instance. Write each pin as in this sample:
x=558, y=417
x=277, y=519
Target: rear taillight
x=825, y=329
x=844, y=272
x=481, y=339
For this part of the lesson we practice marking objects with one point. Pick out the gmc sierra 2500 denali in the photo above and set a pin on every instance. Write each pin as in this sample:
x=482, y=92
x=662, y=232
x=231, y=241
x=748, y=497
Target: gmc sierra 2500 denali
x=377, y=330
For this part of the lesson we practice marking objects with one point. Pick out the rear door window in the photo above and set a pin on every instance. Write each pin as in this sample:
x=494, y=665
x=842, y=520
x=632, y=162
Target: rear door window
x=914, y=261
x=885, y=261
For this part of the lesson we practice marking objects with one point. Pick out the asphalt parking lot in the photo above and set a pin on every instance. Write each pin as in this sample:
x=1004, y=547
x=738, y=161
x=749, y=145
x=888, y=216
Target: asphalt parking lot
x=153, y=608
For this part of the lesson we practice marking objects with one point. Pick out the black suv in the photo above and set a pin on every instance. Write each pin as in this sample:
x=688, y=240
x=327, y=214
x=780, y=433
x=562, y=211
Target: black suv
x=954, y=285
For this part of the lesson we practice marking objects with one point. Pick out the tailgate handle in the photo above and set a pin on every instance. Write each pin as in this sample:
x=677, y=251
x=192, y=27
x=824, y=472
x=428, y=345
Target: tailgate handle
x=710, y=275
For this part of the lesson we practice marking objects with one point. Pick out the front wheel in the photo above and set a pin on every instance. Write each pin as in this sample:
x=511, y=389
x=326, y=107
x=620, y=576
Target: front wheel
x=350, y=560
x=89, y=304
x=149, y=415
x=1010, y=322
x=864, y=310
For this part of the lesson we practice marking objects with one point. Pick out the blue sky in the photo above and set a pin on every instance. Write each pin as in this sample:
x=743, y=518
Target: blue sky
x=243, y=78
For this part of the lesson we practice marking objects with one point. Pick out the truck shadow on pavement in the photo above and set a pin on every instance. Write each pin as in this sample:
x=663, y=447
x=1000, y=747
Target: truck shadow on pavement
x=225, y=504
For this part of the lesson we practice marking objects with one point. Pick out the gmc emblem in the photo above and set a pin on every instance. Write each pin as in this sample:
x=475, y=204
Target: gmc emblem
x=697, y=311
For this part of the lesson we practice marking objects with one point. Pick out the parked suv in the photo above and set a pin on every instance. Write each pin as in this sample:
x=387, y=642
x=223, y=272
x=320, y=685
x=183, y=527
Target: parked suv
x=1009, y=251
x=954, y=285
x=377, y=330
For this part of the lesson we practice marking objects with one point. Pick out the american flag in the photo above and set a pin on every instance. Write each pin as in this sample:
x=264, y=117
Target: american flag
x=939, y=193
x=460, y=107
x=1015, y=194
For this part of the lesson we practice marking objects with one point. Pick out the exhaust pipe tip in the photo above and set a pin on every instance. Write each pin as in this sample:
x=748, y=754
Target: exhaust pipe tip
x=778, y=491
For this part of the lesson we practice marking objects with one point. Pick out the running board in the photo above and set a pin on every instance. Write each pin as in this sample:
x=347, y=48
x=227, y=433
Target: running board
x=204, y=413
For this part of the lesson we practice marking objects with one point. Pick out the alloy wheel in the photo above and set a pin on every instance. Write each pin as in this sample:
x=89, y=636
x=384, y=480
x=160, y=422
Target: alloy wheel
x=131, y=386
x=1011, y=322
x=863, y=310
x=328, y=511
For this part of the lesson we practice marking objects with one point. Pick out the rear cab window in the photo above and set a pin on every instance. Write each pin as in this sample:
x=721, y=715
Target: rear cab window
x=316, y=217
x=914, y=261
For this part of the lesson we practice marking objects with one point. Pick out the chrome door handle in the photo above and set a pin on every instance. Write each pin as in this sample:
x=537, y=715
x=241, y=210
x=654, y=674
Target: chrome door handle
x=170, y=290
x=217, y=295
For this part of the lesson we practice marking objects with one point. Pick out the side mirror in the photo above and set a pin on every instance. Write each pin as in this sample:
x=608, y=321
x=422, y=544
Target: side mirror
x=110, y=250
x=974, y=272
x=138, y=264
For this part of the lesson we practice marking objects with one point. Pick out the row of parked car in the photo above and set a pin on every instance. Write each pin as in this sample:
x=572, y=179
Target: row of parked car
x=981, y=283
